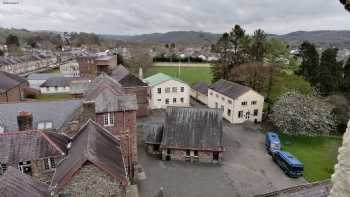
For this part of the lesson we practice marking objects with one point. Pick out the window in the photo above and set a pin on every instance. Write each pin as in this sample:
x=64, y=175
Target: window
x=254, y=102
x=211, y=94
x=222, y=98
x=196, y=153
x=229, y=101
x=216, y=105
x=2, y=129
x=222, y=107
x=228, y=112
x=3, y=168
x=45, y=125
x=167, y=90
x=159, y=90
x=174, y=100
x=256, y=112
x=174, y=89
x=182, y=89
x=108, y=119
x=25, y=167
x=49, y=163
x=56, y=88
x=244, y=103
x=159, y=100
x=240, y=114
x=166, y=101
x=182, y=100
x=216, y=156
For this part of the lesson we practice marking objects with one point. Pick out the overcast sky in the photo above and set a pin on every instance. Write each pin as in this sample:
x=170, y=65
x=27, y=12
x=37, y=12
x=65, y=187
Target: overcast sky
x=148, y=16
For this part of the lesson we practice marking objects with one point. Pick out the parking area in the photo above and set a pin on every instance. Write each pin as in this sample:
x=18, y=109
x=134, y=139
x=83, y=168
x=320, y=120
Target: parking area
x=247, y=169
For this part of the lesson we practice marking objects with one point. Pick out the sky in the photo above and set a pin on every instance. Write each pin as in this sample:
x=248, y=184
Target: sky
x=121, y=17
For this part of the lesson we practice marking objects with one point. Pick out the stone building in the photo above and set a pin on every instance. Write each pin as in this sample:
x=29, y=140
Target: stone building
x=239, y=103
x=199, y=92
x=94, y=165
x=93, y=65
x=16, y=184
x=188, y=134
x=33, y=152
x=12, y=87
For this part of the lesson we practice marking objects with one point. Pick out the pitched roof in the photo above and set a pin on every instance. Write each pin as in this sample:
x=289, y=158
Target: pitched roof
x=120, y=72
x=317, y=189
x=229, y=88
x=8, y=81
x=125, y=78
x=193, y=128
x=101, y=82
x=43, y=76
x=159, y=78
x=30, y=145
x=155, y=133
x=56, y=112
x=16, y=184
x=92, y=144
x=57, y=81
x=201, y=87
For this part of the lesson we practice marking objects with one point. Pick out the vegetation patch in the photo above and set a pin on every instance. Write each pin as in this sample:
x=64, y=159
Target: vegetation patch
x=319, y=154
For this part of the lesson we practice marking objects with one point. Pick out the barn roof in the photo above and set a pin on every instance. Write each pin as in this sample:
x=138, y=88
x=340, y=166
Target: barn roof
x=30, y=145
x=155, y=133
x=229, y=88
x=8, y=81
x=16, y=184
x=201, y=87
x=92, y=144
x=193, y=128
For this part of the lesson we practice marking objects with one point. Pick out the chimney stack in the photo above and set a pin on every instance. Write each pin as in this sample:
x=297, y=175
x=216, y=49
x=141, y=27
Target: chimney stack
x=88, y=111
x=25, y=121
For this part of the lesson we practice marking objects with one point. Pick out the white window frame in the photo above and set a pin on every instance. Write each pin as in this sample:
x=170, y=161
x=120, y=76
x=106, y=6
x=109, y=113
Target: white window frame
x=167, y=90
x=24, y=165
x=254, y=102
x=108, y=119
x=45, y=125
x=50, y=163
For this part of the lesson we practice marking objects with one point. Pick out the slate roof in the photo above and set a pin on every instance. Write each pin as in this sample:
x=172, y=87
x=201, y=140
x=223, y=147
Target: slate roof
x=57, y=112
x=92, y=144
x=317, y=189
x=58, y=82
x=159, y=78
x=201, y=87
x=16, y=184
x=43, y=76
x=125, y=78
x=229, y=89
x=30, y=145
x=8, y=81
x=193, y=128
x=155, y=133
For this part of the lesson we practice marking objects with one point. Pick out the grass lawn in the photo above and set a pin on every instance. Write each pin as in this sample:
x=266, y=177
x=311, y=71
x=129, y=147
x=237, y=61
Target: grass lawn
x=54, y=97
x=170, y=64
x=190, y=75
x=319, y=154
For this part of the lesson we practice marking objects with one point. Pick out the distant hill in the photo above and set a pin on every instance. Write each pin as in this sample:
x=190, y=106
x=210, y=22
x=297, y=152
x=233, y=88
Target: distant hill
x=340, y=39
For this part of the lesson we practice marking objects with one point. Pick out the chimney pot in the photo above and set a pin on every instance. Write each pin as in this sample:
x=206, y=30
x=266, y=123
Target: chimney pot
x=25, y=121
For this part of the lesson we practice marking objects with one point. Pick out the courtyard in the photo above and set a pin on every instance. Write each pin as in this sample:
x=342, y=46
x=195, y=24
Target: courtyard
x=247, y=169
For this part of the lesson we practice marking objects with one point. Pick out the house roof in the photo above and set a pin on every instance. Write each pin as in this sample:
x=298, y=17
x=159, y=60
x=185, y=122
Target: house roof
x=16, y=184
x=120, y=72
x=58, y=82
x=201, y=87
x=193, y=128
x=43, y=76
x=155, y=133
x=125, y=78
x=8, y=81
x=229, y=88
x=56, y=112
x=317, y=189
x=30, y=145
x=159, y=78
x=92, y=144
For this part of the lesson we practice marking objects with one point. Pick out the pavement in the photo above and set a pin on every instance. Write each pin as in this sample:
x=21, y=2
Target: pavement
x=247, y=169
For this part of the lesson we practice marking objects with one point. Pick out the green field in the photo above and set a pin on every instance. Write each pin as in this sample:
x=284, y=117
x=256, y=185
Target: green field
x=170, y=64
x=54, y=97
x=319, y=154
x=190, y=75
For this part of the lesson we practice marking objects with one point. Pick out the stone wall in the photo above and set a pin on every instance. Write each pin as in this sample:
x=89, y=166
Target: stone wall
x=90, y=181
x=180, y=155
x=142, y=100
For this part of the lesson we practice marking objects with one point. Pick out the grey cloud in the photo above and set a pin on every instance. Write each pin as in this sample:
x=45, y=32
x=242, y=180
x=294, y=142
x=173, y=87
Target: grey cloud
x=147, y=16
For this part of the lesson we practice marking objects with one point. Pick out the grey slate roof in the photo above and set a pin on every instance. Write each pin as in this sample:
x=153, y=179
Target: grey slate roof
x=43, y=76
x=318, y=189
x=56, y=112
x=155, y=133
x=125, y=78
x=8, y=81
x=58, y=82
x=16, y=184
x=92, y=144
x=229, y=88
x=193, y=128
x=201, y=87
x=30, y=145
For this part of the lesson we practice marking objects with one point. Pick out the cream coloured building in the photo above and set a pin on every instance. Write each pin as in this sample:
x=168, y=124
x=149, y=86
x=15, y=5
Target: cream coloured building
x=199, y=92
x=239, y=103
x=167, y=91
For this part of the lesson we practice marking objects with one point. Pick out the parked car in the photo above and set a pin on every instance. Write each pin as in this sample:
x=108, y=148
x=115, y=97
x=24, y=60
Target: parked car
x=272, y=142
x=290, y=165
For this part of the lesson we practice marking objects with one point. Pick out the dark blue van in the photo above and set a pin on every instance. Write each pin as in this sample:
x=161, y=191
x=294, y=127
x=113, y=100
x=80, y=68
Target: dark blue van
x=272, y=142
x=290, y=165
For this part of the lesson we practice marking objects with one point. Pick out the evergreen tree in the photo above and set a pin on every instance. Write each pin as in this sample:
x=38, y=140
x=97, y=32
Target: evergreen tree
x=310, y=62
x=330, y=73
x=258, y=48
x=346, y=81
x=12, y=41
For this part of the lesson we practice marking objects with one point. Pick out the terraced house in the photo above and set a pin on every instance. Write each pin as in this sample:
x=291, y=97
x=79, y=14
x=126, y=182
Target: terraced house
x=12, y=87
